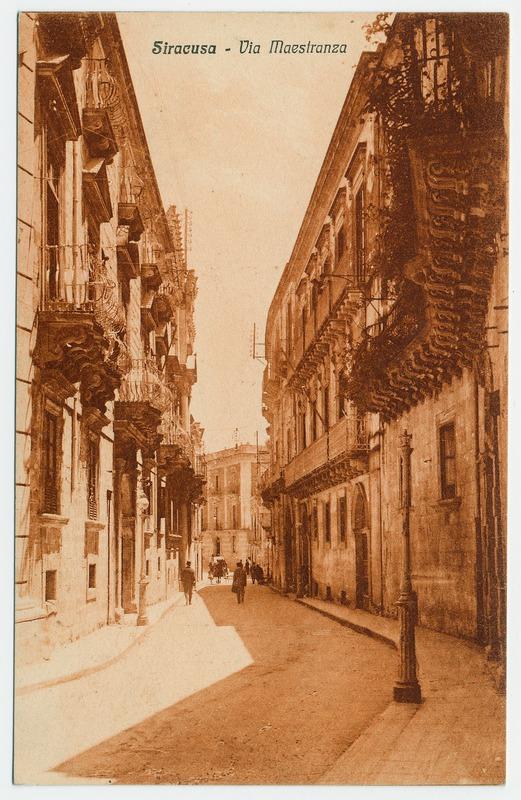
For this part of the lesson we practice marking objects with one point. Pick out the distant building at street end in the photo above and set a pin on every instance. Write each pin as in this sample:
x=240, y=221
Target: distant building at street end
x=391, y=316
x=232, y=511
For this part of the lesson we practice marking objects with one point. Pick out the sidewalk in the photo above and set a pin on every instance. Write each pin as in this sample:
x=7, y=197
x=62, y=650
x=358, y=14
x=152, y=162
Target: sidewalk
x=456, y=736
x=89, y=653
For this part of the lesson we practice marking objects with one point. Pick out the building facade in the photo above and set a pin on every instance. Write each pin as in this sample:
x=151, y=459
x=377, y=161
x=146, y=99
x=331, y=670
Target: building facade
x=390, y=318
x=231, y=513
x=108, y=476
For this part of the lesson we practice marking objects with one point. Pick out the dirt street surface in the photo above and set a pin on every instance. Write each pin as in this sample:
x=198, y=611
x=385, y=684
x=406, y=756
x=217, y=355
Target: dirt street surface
x=287, y=691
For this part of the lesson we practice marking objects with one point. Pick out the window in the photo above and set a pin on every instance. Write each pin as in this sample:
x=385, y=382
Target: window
x=216, y=483
x=313, y=420
x=234, y=522
x=161, y=501
x=359, y=235
x=158, y=566
x=327, y=522
x=233, y=544
x=325, y=407
x=447, y=461
x=342, y=517
x=303, y=324
x=217, y=547
x=288, y=444
x=433, y=43
x=54, y=162
x=147, y=567
x=91, y=576
x=92, y=477
x=303, y=438
x=341, y=395
x=50, y=584
x=315, y=522
x=51, y=449
x=340, y=243
x=289, y=326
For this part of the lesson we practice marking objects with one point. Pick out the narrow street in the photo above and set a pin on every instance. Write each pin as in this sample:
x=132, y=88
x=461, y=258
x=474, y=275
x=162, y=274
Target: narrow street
x=267, y=692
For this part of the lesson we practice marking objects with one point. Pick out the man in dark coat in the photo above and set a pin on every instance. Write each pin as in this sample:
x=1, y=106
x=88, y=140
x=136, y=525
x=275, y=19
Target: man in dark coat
x=239, y=582
x=188, y=581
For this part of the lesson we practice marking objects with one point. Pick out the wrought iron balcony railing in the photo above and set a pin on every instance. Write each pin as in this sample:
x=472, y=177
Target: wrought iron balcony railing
x=174, y=434
x=100, y=86
x=143, y=383
x=75, y=283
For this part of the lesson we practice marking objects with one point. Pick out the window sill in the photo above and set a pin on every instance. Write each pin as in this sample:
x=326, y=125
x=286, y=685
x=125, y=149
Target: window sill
x=52, y=519
x=94, y=524
x=449, y=503
x=91, y=595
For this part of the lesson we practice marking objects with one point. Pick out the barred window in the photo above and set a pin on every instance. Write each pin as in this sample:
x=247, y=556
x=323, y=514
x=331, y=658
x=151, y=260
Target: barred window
x=342, y=517
x=51, y=454
x=92, y=477
x=433, y=44
x=327, y=522
x=447, y=461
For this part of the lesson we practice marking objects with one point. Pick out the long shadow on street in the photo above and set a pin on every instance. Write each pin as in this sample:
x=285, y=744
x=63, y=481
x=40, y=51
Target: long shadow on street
x=312, y=689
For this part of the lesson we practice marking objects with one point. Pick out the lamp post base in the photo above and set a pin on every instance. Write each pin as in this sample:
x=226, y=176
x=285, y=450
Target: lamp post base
x=407, y=693
x=142, y=616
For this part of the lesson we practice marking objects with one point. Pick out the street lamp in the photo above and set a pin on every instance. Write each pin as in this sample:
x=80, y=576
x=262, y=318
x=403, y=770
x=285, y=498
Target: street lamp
x=406, y=689
x=142, y=507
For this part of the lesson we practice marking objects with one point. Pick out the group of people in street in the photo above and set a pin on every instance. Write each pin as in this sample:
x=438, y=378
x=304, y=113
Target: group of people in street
x=219, y=569
x=240, y=577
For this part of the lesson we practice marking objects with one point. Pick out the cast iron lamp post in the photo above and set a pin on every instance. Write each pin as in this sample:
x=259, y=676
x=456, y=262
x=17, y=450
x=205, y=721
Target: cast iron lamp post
x=407, y=689
x=142, y=507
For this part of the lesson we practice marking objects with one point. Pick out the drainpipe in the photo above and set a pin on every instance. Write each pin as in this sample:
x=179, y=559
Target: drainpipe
x=109, y=535
x=380, y=484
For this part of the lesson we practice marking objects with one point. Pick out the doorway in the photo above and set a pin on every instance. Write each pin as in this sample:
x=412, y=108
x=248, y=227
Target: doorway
x=361, y=534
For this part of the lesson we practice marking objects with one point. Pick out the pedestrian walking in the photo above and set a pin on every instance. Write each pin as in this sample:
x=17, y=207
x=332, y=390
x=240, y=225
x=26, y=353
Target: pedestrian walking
x=210, y=572
x=188, y=581
x=247, y=567
x=259, y=574
x=253, y=571
x=218, y=570
x=239, y=582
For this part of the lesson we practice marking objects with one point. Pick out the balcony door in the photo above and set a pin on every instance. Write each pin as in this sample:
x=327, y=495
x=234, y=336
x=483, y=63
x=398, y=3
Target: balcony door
x=361, y=534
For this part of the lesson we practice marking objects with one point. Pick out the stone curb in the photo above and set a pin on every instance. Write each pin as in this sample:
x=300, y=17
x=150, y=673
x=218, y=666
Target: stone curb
x=363, y=629
x=83, y=673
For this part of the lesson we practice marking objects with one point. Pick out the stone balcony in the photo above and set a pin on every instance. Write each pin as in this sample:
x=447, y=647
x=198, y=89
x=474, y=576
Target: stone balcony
x=80, y=323
x=177, y=459
x=338, y=455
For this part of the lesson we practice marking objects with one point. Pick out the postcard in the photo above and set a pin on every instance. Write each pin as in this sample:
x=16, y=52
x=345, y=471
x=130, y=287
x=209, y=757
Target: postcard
x=261, y=398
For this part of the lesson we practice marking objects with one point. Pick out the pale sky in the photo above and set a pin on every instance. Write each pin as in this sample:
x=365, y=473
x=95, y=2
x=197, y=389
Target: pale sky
x=239, y=140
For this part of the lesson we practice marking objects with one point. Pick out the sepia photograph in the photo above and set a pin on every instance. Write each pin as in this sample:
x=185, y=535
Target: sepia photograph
x=262, y=311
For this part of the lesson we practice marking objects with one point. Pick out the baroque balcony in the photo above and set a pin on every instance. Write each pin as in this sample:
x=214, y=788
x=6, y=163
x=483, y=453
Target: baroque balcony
x=101, y=94
x=338, y=455
x=437, y=326
x=181, y=376
x=177, y=459
x=80, y=324
x=156, y=308
x=143, y=398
